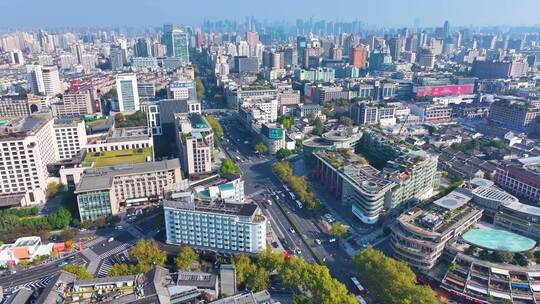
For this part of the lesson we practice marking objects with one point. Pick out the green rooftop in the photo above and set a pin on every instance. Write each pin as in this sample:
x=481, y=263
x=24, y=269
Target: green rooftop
x=111, y=158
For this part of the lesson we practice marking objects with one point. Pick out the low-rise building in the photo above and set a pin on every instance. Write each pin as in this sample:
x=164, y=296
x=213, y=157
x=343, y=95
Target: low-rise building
x=101, y=191
x=521, y=177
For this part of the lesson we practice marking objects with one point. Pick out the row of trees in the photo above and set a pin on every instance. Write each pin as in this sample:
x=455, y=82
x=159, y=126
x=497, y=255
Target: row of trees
x=14, y=224
x=298, y=184
x=315, y=280
x=390, y=281
x=216, y=127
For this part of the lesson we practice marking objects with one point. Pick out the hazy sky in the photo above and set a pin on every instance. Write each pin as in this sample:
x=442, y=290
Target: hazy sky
x=35, y=13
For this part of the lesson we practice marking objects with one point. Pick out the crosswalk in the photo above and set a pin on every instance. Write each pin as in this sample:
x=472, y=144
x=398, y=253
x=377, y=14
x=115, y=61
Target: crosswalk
x=91, y=243
x=104, y=268
x=115, y=250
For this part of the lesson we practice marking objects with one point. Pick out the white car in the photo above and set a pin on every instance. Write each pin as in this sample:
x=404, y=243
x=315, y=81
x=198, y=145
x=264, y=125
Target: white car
x=292, y=230
x=318, y=242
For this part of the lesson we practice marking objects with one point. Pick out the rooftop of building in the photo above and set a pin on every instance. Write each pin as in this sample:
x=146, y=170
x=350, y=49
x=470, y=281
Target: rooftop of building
x=440, y=217
x=116, y=157
x=186, y=201
x=20, y=127
x=368, y=178
x=341, y=158
x=197, y=279
x=343, y=134
x=101, y=178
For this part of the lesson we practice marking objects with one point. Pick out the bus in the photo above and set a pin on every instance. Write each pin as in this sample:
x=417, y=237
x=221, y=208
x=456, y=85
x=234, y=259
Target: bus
x=359, y=286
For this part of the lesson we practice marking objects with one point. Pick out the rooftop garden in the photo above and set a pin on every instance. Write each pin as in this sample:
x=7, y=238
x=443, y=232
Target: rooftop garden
x=137, y=119
x=111, y=158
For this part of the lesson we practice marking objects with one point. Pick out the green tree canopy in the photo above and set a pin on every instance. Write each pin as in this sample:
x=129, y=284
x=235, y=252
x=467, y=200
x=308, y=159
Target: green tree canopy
x=215, y=125
x=200, y=89
x=79, y=271
x=283, y=153
x=261, y=147
x=244, y=267
x=338, y=230
x=258, y=280
x=286, y=121
x=319, y=128
x=185, y=258
x=147, y=254
x=228, y=167
x=390, y=281
x=346, y=121
x=121, y=269
x=53, y=188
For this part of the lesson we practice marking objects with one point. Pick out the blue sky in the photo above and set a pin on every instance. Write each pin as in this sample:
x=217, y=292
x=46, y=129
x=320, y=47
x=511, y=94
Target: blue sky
x=391, y=13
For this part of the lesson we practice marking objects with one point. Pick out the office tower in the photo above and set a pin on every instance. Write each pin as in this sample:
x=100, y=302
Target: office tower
x=426, y=58
x=141, y=48
x=395, y=48
x=176, y=40
x=276, y=60
x=158, y=50
x=436, y=46
x=446, y=29
x=16, y=106
x=198, y=39
x=422, y=41
x=195, y=140
x=79, y=51
x=16, y=57
x=35, y=79
x=51, y=80
x=116, y=57
x=128, y=96
x=28, y=147
x=224, y=225
x=358, y=56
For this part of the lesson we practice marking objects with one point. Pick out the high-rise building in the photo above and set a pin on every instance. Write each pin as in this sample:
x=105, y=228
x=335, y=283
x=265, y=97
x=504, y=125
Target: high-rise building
x=395, y=48
x=426, y=58
x=116, y=57
x=35, y=78
x=128, y=95
x=74, y=104
x=195, y=140
x=51, y=80
x=176, y=40
x=28, y=146
x=182, y=90
x=358, y=56
x=16, y=57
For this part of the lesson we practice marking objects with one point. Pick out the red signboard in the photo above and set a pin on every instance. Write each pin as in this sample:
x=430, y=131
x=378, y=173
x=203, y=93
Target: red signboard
x=445, y=90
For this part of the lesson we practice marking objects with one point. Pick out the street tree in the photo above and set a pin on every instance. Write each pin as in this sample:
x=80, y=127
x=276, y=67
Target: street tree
x=185, y=258
x=79, y=271
x=338, y=230
x=228, y=167
x=147, y=254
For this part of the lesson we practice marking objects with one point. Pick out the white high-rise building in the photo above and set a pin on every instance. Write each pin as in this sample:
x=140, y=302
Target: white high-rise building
x=128, y=95
x=242, y=48
x=51, y=80
x=27, y=145
x=70, y=137
x=16, y=57
x=35, y=79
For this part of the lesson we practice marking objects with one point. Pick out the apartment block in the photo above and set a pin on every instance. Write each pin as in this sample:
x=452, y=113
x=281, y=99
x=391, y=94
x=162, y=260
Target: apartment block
x=195, y=140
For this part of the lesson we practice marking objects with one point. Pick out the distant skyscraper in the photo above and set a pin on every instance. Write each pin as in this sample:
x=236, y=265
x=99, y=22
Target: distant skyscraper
x=128, y=96
x=446, y=29
x=176, y=40
x=358, y=56
x=51, y=80
x=395, y=47
x=16, y=57
x=116, y=57
x=142, y=48
x=35, y=79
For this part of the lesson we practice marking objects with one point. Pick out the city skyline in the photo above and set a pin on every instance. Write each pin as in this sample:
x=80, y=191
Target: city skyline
x=386, y=13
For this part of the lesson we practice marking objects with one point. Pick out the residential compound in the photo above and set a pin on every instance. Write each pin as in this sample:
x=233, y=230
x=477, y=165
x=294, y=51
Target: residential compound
x=408, y=177
x=214, y=224
x=514, y=113
x=101, y=191
x=195, y=140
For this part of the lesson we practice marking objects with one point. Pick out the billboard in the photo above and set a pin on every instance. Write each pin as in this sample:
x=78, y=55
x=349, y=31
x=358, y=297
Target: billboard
x=444, y=90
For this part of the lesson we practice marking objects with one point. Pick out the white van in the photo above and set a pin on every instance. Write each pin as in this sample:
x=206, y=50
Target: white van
x=299, y=204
